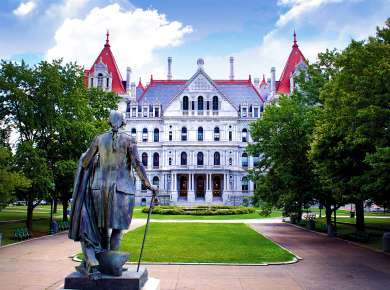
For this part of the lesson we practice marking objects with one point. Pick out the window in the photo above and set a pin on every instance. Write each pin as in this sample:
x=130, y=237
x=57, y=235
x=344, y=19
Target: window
x=107, y=82
x=200, y=103
x=215, y=103
x=193, y=105
x=199, y=159
x=216, y=134
x=244, y=160
x=91, y=85
x=255, y=112
x=156, y=135
x=145, y=135
x=144, y=159
x=170, y=161
x=256, y=159
x=230, y=135
x=185, y=103
x=244, y=112
x=200, y=134
x=217, y=158
x=156, y=112
x=244, y=135
x=244, y=183
x=134, y=133
x=184, y=134
x=100, y=81
x=230, y=161
x=156, y=160
x=134, y=112
x=143, y=187
x=156, y=181
x=208, y=105
x=183, y=158
x=145, y=111
x=170, y=135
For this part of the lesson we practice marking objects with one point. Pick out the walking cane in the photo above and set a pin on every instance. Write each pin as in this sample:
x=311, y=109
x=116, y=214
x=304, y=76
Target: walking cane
x=146, y=230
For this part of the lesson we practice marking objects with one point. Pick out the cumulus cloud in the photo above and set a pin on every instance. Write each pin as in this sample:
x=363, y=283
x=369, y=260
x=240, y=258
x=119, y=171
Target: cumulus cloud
x=135, y=34
x=24, y=8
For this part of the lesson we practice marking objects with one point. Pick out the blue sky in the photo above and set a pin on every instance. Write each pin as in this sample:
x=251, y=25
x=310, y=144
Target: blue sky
x=144, y=32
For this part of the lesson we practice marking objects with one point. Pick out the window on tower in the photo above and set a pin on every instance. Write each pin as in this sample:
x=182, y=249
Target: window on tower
x=185, y=103
x=100, y=81
x=244, y=135
x=144, y=159
x=145, y=135
x=200, y=134
x=170, y=135
x=156, y=160
x=183, y=158
x=156, y=135
x=230, y=135
x=244, y=160
x=134, y=133
x=184, y=134
x=199, y=159
x=217, y=158
x=216, y=134
x=200, y=103
x=215, y=103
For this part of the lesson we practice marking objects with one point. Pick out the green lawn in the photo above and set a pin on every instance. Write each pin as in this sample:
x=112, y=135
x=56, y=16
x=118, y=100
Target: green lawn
x=139, y=214
x=19, y=212
x=203, y=243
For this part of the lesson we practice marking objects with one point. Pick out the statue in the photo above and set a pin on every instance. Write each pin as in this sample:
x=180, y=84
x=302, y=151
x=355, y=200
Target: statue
x=103, y=199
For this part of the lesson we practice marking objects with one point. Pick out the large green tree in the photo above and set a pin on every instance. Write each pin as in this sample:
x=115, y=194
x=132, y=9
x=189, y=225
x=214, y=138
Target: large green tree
x=355, y=120
x=55, y=118
x=281, y=137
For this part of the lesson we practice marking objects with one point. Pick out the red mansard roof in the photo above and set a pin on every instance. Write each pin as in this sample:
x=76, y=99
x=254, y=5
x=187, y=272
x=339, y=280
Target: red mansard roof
x=293, y=60
x=108, y=59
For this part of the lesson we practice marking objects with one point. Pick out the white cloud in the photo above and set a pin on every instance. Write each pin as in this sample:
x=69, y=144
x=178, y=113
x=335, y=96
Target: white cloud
x=24, y=8
x=134, y=37
x=298, y=8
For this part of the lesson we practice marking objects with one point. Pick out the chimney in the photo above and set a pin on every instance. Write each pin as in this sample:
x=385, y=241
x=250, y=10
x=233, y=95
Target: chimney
x=128, y=78
x=133, y=90
x=200, y=63
x=231, y=76
x=256, y=82
x=169, y=75
x=273, y=87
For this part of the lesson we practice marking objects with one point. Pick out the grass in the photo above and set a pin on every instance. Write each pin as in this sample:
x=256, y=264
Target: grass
x=40, y=228
x=374, y=228
x=139, y=214
x=19, y=212
x=203, y=243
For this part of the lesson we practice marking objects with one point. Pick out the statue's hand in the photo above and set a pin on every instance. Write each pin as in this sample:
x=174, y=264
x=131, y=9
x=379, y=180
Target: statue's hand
x=154, y=190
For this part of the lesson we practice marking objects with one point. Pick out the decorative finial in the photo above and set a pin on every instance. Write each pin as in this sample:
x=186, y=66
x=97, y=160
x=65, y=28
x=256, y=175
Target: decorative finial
x=140, y=83
x=108, y=38
x=250, y=78
x=151, y=79
x=263, y=78
x=200, y=63
x=295, y=39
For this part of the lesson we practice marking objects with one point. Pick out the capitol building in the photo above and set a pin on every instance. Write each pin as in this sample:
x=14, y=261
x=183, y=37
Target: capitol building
x=192, y=133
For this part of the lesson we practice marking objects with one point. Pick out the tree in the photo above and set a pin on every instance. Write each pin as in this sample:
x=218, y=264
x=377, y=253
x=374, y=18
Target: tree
x=355, y=120
x=55, y=116
x=10, y=180
x=282, y=138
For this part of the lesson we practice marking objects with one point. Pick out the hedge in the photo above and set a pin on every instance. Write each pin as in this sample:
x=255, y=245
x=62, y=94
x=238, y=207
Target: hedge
x=200, y=210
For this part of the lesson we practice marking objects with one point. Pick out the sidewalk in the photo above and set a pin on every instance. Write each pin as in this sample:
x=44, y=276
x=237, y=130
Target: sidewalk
x=327, y=264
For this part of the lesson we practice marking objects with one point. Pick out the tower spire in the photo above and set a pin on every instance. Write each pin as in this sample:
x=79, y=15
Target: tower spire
x=295, y=39
x=108, y=38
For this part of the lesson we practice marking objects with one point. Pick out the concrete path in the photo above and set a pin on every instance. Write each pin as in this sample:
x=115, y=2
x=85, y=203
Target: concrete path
x=327, y=264
x=233, y=221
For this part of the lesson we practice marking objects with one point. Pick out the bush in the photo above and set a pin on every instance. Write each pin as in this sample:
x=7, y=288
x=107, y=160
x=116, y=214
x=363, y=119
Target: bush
x=201, y=210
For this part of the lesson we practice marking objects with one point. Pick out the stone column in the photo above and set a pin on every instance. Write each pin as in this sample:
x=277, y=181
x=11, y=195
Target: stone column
x=209, y=193
x=191, y=193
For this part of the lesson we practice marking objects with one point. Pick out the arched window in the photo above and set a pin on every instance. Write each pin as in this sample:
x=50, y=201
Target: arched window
x=244, y=135
x=156, y=135
x=183, y=158
x=156, y=181
x=134, y=133
x=199, y=158
x=156, y=160
x=216, y=134
x=144, y=135
x=184, y=134
x=217, y=158
x=244, y=160
x=200, y=103
x=244, y=183
x=200, y=134
x=230, y=161
x=145, y=159
x=185, y=103
x=100, y=81
x=215, y=103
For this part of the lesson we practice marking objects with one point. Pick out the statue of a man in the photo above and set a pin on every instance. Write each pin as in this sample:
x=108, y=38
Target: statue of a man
x=103, y=197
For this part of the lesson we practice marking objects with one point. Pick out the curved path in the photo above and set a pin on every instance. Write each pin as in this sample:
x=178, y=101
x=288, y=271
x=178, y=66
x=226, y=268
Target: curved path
x=327, y=264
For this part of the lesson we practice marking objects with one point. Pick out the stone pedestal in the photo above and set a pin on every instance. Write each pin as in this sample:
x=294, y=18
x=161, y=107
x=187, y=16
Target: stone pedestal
x=130, y=280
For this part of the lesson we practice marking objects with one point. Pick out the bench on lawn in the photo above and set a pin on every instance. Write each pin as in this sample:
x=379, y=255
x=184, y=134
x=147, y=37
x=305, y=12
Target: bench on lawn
x=21, y=234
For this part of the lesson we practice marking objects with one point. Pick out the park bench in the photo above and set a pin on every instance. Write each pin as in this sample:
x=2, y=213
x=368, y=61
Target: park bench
x=21, y=234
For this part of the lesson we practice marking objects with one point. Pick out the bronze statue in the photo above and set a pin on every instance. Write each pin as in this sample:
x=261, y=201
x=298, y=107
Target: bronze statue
x=103, y=198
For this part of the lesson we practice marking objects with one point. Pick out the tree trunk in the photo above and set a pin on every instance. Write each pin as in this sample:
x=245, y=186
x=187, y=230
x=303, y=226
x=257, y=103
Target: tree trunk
x=30, y=209
x=55, y=205
x=65, y=209
x=359, y=207
x=334, y=217
x=328, y=214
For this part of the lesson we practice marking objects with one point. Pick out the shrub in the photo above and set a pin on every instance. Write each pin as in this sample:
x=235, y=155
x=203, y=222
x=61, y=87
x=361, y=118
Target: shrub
x=200, y=210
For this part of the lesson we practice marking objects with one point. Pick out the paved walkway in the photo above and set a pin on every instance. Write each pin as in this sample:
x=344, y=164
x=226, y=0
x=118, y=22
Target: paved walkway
x=327, y=264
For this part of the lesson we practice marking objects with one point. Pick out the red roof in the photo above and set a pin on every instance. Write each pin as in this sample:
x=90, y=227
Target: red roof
x=108, y=59
x=263, y=82
x=293, y=60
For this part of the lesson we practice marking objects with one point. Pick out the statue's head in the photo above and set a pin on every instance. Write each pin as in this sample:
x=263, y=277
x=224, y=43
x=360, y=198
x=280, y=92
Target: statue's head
x=116, y=120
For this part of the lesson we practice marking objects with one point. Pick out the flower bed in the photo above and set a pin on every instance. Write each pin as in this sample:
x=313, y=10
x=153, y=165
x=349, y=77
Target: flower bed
x=200, y=210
